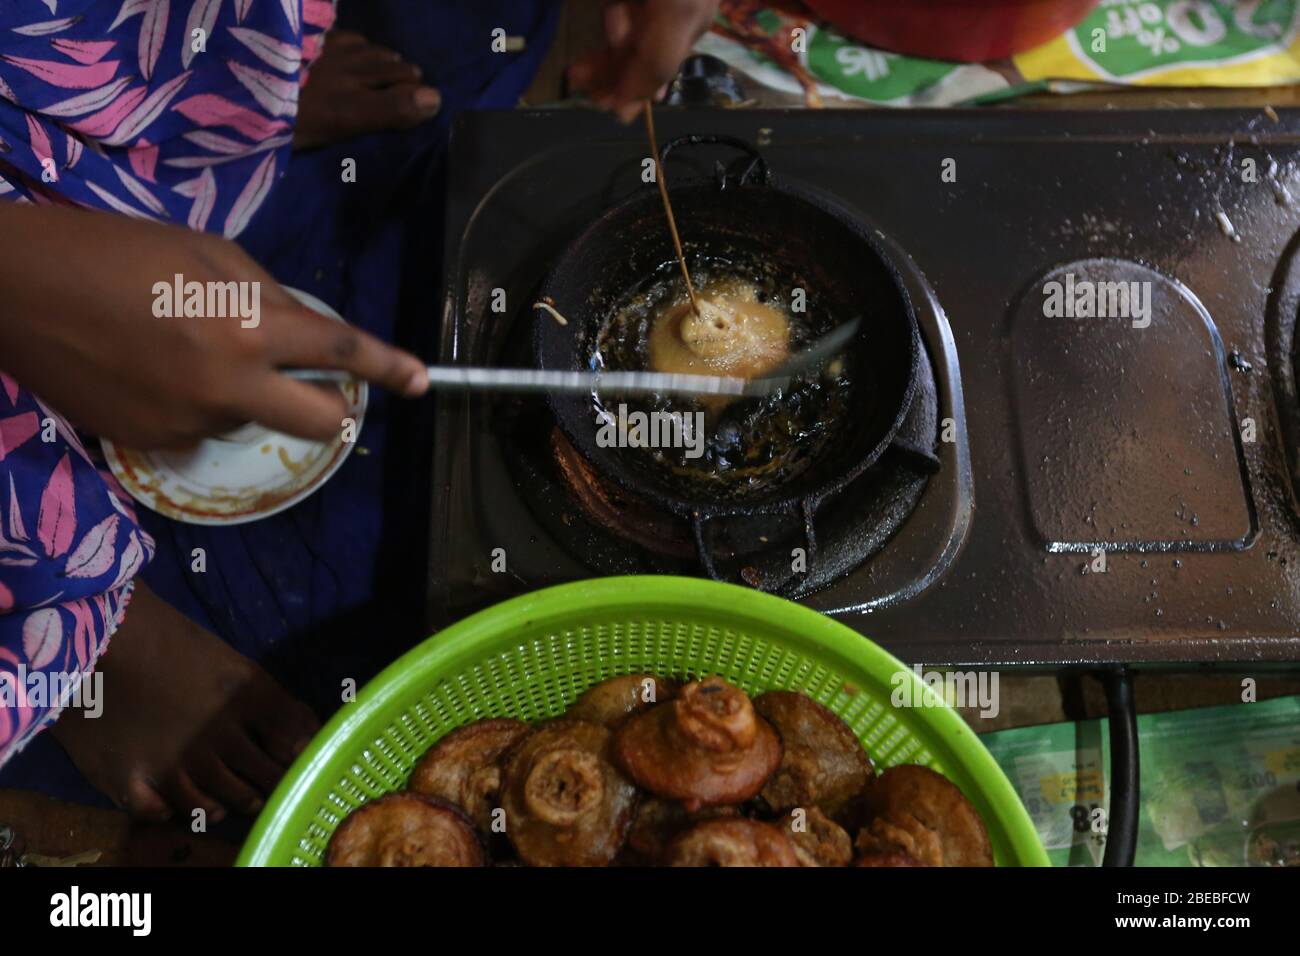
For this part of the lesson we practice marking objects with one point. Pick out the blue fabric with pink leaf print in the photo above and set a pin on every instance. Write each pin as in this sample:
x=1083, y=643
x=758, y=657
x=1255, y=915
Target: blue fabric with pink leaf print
x=70, y=547
x=333, y=587
x=176, y=110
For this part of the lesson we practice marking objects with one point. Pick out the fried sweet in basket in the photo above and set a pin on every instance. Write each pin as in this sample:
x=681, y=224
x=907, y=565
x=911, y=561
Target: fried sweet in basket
x=886, y=858
x=464, y=766
x=705, y=748
x=823, y=763
x=405, y=829
x=923, y=813
x=817, y=839
x=565, y=803
x=657, y=823
x=731, y=842
x=611, y=700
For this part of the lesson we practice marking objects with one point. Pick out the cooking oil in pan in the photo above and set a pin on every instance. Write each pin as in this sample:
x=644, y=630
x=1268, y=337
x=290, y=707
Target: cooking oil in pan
x=751, y=445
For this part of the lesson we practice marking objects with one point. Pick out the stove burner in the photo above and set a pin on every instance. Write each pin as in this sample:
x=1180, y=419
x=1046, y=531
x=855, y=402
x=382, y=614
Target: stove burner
x=952, y=584
x=612, y=531
x=614, y=510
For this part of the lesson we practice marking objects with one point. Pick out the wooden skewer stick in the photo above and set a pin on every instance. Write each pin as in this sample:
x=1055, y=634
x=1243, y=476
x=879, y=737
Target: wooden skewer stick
x=668, y=207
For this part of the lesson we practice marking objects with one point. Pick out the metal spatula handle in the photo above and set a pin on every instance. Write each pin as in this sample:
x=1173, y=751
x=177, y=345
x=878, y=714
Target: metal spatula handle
x=478, y=378
x=623, y=383
x=481, y=379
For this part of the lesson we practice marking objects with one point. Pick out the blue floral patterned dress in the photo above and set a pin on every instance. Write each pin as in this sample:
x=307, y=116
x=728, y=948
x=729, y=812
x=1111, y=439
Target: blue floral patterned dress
x=173, y=110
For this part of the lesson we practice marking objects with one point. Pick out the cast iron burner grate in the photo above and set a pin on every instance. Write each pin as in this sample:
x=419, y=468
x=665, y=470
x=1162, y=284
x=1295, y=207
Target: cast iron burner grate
x=611, y=531
x=516, y=508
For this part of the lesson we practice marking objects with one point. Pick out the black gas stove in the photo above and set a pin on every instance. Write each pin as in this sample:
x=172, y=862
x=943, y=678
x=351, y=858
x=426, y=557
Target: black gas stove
x=1099, y=464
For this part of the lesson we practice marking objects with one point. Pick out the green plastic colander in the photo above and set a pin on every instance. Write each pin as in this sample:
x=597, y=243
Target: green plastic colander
x=531, y=656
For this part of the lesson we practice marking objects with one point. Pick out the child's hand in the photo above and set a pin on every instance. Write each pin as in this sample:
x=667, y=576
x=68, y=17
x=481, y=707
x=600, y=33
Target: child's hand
x=78, y=328
x=358, y=87
x=648, y=39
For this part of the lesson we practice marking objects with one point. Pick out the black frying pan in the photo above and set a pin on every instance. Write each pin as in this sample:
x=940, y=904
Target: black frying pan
x=743, y=215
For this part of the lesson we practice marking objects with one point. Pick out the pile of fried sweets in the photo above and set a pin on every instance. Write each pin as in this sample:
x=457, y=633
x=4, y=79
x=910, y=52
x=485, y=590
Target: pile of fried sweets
x=646, y=771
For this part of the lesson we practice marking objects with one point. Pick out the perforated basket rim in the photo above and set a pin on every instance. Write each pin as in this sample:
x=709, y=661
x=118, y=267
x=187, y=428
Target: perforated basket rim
x=952, y=745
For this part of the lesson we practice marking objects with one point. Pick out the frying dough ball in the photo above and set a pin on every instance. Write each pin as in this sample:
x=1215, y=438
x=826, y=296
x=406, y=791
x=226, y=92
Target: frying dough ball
x=914, y=804
x=817, y=839
x=734, y=334
x=565, y=803
x=405, y=829
x=464, y=766
x=611, y=700
x=731, y=842
x=706, y=747
x=823, y=764
x=657, y=822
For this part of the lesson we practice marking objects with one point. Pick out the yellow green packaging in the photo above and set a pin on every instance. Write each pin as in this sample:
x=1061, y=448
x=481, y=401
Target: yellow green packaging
x=1125, y=42
x=1175, y=43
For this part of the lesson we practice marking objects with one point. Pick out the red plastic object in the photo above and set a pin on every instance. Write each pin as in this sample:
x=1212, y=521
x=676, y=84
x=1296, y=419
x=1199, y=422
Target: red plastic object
x=967, y=30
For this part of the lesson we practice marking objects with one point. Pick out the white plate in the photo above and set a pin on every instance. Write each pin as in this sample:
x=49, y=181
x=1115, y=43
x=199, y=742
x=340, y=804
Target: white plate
x=241, y=476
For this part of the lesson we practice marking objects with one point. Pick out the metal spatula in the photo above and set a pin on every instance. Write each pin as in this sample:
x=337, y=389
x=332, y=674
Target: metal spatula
x=485, y=379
